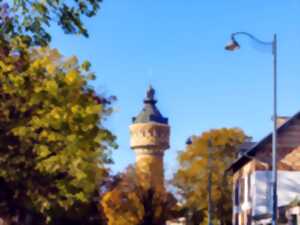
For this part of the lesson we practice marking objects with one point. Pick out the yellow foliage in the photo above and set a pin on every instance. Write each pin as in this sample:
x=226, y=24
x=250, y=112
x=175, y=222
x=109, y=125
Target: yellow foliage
x=51, y=87
x=130, y=202
x=122, y=208
x=95, y=109
x=192, y=177
x=47, y=131
x=71, y=77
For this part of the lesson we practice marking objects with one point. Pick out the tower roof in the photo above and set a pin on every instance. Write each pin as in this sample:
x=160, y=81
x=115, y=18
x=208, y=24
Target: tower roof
x=150, y=113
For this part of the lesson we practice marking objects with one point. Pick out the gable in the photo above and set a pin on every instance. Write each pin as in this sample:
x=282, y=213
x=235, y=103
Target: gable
x=288, y=148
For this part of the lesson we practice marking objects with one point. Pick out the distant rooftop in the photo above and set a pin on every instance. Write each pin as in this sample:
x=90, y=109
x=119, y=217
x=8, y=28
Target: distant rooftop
x=250, y=153
x=150, y=113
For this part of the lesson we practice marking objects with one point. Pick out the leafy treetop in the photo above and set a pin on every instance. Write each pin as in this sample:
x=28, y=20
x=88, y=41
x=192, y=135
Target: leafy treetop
x=54, y=145
x=192, y=177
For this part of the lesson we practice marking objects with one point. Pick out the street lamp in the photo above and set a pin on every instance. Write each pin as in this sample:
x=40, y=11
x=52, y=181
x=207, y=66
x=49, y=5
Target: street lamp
x=209, y=178
x=234, y=45
x=209, y=183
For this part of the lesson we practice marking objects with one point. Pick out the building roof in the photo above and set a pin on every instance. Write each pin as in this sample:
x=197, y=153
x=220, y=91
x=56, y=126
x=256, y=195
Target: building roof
x=150, y=113
x=250, y=153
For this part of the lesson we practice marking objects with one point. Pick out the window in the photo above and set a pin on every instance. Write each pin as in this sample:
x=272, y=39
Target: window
x=239, y=191
x=249, y=219
x=242, y=190
x=294, y=219
x=249, y=187
x=236, y=220
x=236, y=193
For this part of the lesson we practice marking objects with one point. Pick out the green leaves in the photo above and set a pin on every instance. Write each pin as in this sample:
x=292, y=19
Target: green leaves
x=54, y=147
x=86, y=65
x=32, y=18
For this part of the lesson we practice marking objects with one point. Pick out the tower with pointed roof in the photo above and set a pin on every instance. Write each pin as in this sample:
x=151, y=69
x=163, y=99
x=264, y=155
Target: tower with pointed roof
x=150, y=135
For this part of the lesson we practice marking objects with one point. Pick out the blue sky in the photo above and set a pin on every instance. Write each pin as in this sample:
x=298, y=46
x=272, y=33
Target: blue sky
x=178, y=47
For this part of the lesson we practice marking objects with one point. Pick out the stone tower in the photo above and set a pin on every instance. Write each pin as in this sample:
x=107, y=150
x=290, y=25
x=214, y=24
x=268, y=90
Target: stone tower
x=150, y=134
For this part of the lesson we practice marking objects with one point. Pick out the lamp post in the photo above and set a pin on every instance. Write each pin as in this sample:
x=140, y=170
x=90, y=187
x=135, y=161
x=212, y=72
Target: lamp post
x=234, y=45
x=209, y=183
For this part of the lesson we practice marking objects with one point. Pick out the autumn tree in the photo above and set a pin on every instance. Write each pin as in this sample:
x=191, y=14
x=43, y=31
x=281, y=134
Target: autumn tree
x=33, y=18
x=82, y=213
x=53, y=144
x=127, y=201
x=221, y=145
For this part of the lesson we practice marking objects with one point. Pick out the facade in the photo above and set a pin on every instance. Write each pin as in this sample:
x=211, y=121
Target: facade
x=252, y=177
x=150, y=134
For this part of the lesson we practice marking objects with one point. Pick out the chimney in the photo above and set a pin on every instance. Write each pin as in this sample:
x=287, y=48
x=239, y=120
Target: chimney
x=281, y=120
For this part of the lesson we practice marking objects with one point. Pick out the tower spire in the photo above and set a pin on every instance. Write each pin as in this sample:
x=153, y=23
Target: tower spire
x=150, y=99
x=150, y=112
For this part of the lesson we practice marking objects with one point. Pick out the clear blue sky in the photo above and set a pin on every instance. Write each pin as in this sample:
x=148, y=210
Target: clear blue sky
x=178, y=47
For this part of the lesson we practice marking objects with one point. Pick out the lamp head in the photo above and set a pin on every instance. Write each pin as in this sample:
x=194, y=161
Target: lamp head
x=232, y=45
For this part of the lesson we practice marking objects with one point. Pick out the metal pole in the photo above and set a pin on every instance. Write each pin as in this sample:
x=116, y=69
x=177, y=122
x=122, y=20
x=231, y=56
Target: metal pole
x=209, y=183
x=234, y=45
x=274, y=139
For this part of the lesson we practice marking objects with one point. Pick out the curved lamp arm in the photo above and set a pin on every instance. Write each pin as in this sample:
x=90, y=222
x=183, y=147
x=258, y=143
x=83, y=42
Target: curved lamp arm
x=233, y=45
x=233, y=37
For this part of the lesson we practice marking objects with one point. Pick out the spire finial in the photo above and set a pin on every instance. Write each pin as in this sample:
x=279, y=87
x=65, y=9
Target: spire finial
x=150, y=95
x=150, y=92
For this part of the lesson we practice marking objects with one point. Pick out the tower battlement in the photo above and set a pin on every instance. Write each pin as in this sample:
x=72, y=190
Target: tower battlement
x=150, y=136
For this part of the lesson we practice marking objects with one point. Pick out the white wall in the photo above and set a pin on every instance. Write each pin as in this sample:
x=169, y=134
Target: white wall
x=288, y=190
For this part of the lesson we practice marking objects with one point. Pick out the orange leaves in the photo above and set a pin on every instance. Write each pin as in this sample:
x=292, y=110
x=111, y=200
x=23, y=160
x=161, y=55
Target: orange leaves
x=122, y=208
x=129, y=202
x=122, y=205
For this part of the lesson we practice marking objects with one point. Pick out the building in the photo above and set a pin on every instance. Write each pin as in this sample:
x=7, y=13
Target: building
x=150, y=138
x=251, y=171
x=150, y=134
